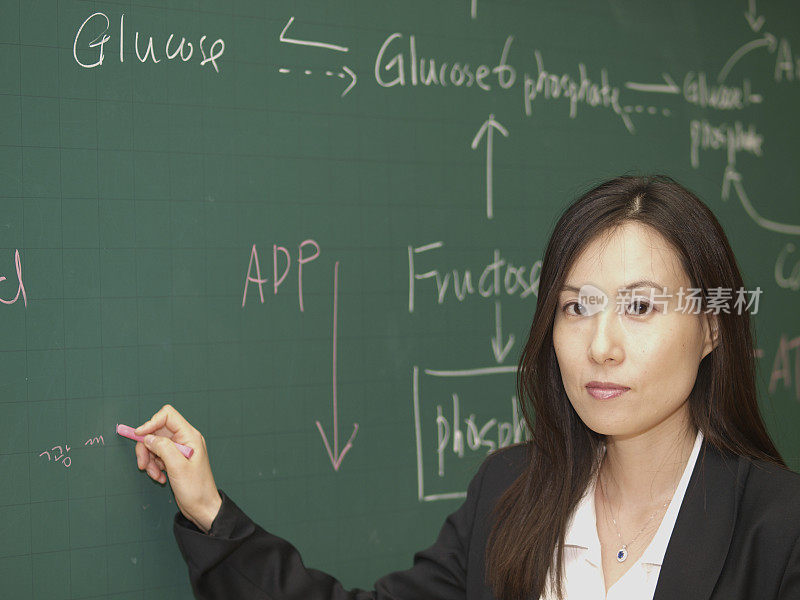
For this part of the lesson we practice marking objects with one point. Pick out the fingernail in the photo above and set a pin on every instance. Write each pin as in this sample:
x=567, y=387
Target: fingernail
x=148, y=439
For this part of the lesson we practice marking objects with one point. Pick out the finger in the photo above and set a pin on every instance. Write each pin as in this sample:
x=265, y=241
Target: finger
x=150, y=456
x=153, y=472
x=142, y=456
x=164, y=449
x=164, y=432
x=148, y=460
x=160, y=464
x=166, y=417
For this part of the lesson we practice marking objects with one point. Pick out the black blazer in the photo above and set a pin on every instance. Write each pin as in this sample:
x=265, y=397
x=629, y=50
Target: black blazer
x=736, y=538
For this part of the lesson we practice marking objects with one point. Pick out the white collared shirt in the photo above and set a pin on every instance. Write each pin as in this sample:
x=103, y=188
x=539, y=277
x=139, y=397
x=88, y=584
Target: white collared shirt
x=583, y=566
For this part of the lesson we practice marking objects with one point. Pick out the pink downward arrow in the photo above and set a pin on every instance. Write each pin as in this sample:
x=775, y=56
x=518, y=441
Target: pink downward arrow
x=336, y=458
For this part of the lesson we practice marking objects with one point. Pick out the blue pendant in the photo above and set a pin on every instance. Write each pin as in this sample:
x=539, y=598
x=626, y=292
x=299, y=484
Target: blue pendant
x=622, y=554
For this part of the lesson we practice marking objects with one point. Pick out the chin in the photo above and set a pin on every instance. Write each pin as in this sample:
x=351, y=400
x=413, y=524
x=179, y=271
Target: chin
x=607, y=427
x=606, y=430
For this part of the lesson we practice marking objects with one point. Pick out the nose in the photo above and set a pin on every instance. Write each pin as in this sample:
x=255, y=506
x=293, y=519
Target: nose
x=606, y=341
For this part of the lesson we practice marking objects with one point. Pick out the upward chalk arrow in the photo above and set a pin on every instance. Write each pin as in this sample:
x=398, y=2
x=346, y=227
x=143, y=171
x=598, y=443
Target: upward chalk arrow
x=488, y=128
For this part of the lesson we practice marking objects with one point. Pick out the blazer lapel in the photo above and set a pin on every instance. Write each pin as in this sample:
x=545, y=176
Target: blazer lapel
x=704, y=528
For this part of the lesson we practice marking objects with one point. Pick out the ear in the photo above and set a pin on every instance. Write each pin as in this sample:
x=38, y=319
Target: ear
x=711, y=329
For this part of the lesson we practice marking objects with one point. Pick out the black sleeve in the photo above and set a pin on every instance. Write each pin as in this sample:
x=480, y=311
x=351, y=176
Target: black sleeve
x=790, y=584
x=239, y=559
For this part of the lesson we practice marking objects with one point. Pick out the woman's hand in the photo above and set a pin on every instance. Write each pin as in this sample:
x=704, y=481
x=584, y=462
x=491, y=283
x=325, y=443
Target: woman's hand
x=191, y=479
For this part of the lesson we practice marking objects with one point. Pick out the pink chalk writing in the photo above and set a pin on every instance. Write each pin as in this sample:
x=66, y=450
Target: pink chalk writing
x=307, y=251
x=60, y=455
x=20, y=286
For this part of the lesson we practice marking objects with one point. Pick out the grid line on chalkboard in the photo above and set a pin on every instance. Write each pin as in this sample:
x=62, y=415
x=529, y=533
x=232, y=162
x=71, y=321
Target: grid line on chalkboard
x=63, y=293
x=25, y=315
x=100, y=293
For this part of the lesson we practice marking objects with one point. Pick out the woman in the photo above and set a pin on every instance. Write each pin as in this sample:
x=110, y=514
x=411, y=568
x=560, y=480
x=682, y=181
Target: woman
x=650, y=473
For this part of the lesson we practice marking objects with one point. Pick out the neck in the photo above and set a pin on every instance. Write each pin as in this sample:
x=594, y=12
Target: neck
x=643, y=470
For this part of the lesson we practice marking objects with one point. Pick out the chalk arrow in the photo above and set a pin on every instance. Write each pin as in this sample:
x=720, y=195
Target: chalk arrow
x=753, y=20
x=488, y=128
x=289, y=40
x=669, y=87
x=768, y=40
x=340, y=74
x=353, y=80
x=731, y=174
x=734, y=178
x=500, y=353
x=335, y=456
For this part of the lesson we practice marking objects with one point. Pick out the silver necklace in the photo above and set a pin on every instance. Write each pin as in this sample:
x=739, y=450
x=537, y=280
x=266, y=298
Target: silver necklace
x=622, y=553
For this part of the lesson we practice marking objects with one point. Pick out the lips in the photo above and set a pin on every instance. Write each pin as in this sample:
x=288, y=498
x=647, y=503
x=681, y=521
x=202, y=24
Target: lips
x=604, y=390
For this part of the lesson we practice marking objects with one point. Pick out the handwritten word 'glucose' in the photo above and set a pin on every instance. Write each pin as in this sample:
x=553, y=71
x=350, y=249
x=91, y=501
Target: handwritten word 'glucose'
x=183, y=50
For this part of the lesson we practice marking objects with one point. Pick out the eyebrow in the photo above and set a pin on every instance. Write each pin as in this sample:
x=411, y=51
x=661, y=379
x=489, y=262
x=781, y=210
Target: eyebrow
x=641, y=283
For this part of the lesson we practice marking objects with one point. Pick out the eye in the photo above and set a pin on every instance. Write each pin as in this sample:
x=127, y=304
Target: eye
x=641, y=307
x=565, y=308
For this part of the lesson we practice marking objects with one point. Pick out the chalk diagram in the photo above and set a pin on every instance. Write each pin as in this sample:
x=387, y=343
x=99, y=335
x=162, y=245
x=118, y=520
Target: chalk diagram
x=401, y=62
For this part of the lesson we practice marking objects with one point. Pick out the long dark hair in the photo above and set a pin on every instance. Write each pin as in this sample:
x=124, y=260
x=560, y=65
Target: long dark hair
x=530, y=518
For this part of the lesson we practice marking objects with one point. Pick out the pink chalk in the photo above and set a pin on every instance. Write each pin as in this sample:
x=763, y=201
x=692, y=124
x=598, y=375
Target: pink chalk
x=128, y=432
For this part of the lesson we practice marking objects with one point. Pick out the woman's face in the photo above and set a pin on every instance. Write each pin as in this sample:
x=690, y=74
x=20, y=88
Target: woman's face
x=655, y=354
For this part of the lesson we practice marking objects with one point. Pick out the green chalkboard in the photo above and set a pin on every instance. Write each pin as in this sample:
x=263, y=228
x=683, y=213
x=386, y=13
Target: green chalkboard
x=315, y=228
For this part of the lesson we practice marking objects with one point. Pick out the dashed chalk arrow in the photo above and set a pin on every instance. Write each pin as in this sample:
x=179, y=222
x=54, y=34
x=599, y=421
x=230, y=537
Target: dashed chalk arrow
x=343, y=74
